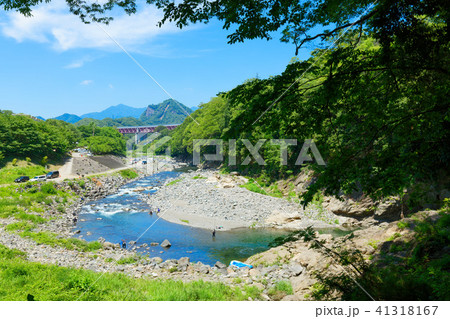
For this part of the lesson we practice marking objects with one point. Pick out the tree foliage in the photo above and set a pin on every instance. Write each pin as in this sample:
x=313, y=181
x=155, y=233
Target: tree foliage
x=21, y=136
x=376, y=106
x=102, y=140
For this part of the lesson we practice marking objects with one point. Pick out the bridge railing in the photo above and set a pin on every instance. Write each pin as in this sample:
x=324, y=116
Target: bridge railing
x=143, y=129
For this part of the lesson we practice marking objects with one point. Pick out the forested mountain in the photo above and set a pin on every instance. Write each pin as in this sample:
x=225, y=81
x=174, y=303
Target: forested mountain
x=115, y=112
x=69, y=118
x=167, y=112
x=108, y=122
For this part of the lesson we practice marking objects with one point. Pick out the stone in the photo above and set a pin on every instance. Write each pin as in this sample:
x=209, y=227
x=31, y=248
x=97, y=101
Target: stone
x=254, y=273
x=204, y=270
x=77, y=231
x=154, y=244
x=107, y=244
x=101, y=240
x=183, y=261
x=350, y=207
x=296, y=269
x=157, y=260
x=265, y=297
x=166, y=244
x=220, y=265
x=389, y=209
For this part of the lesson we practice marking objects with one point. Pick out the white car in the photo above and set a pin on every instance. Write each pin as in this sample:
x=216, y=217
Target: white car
x=40, y=178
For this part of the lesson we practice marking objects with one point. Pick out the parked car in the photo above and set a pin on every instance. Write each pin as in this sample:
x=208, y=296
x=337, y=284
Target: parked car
x=51, y=175
x=22, y=179
x=40, y=178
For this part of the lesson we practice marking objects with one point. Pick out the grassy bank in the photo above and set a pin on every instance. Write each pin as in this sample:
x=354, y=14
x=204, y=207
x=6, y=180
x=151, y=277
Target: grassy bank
x=21, y=168
x=22, y=280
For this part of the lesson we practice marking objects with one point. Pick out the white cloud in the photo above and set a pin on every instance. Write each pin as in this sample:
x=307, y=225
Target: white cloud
x=74, y=65
x=52, y=23
x=86, y=82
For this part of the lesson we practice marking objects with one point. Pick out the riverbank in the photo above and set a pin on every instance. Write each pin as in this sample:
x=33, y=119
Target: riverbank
x=210, y=200
x=43, y=231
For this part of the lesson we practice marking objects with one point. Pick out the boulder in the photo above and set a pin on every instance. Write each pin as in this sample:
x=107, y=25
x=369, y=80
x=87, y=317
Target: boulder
x=350, y=207
x=183, y=261
x=166, y=244
x=220, y=265
x=107, y=244
x=154, y=244
x=157, y=260
x=389, y=209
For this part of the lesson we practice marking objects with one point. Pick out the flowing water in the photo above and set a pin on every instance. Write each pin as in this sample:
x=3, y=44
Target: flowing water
x=125, y=216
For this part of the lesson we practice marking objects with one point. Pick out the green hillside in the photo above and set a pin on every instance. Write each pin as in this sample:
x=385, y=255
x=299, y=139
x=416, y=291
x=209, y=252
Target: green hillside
x=108, y=122
x=167, y=112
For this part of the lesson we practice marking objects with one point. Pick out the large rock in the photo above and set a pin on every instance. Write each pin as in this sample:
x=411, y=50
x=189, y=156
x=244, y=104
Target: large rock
x=296, y=269
x=350, y=207
x=183, y=261
x=166, y=244
x=389, y=209
x=157, y=260
x=220, y=265
x=109, y=245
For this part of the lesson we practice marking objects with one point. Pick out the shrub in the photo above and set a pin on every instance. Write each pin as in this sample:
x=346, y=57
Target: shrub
x=174, y=182
x=44, y=161
x=48, y=189
x=127, y=260
x=128, y=173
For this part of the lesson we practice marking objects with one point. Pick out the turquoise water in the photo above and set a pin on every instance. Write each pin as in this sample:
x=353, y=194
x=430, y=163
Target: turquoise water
x=125, y=216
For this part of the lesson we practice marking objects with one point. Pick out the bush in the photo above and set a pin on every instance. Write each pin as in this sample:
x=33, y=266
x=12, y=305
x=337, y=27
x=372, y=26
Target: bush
x=44, y=161
x=127, y=260
x=128, y=173
x=48, y=188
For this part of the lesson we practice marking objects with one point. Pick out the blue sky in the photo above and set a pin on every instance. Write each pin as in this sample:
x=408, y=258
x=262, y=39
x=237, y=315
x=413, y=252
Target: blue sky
x=52, y=64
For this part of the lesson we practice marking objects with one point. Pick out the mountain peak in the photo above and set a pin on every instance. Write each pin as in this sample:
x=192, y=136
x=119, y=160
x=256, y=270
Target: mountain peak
x=166, y=112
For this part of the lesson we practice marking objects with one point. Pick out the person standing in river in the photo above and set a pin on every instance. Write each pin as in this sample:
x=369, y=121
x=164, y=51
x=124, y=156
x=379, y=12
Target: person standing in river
x=124, y=244
x=214, y=233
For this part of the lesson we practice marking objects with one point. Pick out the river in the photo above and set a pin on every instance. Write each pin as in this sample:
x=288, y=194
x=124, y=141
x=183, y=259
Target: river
x=125, y=216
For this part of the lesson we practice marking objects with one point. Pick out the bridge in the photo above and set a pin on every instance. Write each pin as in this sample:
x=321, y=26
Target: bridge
x=143, y=129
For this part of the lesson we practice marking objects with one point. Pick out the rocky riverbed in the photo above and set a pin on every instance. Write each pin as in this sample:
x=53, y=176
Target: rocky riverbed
x=208, y=199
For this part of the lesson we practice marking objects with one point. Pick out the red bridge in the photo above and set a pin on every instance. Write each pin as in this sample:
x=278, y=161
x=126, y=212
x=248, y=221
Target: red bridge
x=143, y=129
